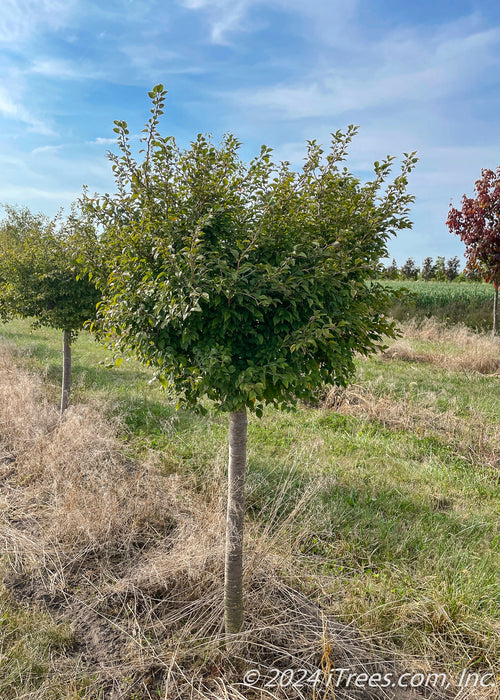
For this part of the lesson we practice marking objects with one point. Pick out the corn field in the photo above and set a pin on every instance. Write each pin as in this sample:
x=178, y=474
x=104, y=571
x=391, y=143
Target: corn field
x=470, y=303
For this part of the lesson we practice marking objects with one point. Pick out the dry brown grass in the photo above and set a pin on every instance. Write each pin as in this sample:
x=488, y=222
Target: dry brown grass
x=134, y=561
x=72, y=473
x=476, y=441
x=456, y=347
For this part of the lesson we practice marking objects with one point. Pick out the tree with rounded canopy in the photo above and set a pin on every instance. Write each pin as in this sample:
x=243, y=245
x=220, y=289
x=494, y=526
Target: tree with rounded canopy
x=243, y=283
x=409, y=270
x=428, y=270
x=478, y=225
x=452, y=268
x=38, y=280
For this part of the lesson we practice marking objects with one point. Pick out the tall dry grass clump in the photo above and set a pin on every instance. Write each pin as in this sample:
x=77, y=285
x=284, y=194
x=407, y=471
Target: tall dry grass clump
x=73, y=472
x=454, y=347
x=25, y=414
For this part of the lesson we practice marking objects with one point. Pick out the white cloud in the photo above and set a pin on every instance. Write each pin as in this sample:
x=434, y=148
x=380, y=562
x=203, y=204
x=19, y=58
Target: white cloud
x=102, y=141
x=7, y=106
x=14, y=110
x=412, y=69
x=328, y=17
x=329, y=22
x=225, y=16
x=19, y=19
x=232, y=19
x=20, y=194
x=45, y=150
x=200, y=4
x=52, y=68
x=34, y=179
x=147, y=63
x=402, y=67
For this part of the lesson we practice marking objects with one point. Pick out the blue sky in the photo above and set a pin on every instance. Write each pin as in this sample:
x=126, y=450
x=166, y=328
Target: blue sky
x=421, y=76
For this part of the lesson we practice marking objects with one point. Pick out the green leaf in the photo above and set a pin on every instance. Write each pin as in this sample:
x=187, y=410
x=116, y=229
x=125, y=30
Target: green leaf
x=242, y=282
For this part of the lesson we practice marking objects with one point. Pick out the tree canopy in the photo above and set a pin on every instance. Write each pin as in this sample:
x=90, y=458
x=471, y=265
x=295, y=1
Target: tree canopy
x=38, y=278
x=478, y=225
x=244, y=283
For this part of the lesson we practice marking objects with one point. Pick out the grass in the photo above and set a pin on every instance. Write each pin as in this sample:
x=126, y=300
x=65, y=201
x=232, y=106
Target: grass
x=381, y=506
x=469, y=303
x=29, y=641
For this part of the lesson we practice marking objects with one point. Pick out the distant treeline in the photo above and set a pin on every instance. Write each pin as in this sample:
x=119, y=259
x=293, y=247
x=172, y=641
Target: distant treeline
x=441, y=270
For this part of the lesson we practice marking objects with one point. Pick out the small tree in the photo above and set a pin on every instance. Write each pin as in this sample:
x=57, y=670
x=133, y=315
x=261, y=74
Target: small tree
x=38, y=281
x=440, y=269
x=243, y=283
x=392, y=271
x=428, y=269
x=410, y=271
x=452, y=269
x=478, y=225
x=12, y=229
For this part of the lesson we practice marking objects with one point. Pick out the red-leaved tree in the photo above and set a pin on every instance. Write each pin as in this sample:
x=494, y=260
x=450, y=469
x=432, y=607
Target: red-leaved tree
x=478, y=225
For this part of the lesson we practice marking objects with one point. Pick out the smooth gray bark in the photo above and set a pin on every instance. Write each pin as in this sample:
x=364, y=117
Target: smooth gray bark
x=495, y=312
x=233, y=582
x=66, y=378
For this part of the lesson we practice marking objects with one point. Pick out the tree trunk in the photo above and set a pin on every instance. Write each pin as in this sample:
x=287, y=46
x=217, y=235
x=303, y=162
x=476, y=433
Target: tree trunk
x=233, y=582
x=495, y=312
x=66, y=378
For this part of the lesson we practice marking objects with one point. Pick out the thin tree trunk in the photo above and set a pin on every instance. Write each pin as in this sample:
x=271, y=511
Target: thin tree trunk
x=233, y=583
x=495, y=312
x=66, y=378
